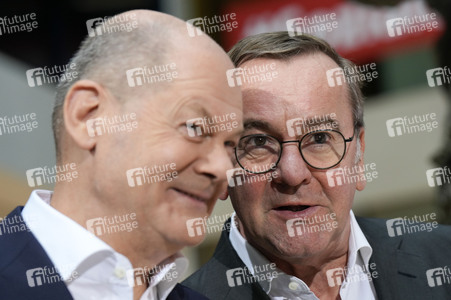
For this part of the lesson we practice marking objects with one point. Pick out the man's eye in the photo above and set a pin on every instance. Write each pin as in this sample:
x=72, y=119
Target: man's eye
x=192, y=131
x=195, y=127
x=258, y=141
x=320, y=138
x=255, y=142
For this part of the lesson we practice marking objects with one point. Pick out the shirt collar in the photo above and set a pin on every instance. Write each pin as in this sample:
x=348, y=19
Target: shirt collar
x=165, y=280
x=358, y=245
x=248, y=254
x=60, y=237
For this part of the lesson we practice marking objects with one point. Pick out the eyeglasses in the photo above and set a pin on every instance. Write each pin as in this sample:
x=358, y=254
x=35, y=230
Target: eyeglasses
x=322, y=149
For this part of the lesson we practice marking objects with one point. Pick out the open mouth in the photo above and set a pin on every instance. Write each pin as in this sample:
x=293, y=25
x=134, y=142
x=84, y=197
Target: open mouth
x=293, y=207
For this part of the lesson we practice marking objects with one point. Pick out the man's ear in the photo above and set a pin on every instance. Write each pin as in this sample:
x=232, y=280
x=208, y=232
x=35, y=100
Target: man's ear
x=361, y=163
x=84, y=100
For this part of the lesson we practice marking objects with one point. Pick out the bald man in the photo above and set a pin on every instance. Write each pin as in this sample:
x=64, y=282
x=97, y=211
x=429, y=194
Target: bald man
x=142, y=167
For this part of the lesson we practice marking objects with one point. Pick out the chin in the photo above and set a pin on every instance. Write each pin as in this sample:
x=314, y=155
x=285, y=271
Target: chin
x=187, y=234
x=297, y=247
x=190, y=241
x=298, y=251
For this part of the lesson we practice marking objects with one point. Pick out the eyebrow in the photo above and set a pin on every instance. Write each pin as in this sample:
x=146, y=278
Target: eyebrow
x=201, y=110
x=257, y=124
x=196, y=108
x=264, y=126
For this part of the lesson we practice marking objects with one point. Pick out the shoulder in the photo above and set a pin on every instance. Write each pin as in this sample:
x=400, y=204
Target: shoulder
x=212, y=275
x=14, y=236
x=424, y=238
x=211, y=278
x=22, y=263
x=183, y=292
x=408, y=230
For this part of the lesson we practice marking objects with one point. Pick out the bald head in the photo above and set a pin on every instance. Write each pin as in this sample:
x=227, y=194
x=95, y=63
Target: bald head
x=131, y=40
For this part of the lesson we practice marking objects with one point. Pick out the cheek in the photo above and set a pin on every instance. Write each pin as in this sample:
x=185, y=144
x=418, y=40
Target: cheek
x=160, y=209
x=248, y=199
x=340, y=198
x=211, y=206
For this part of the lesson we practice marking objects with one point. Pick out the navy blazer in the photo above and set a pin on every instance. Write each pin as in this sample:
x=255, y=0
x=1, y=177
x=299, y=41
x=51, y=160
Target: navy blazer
x=401, y=265
x=20, y=252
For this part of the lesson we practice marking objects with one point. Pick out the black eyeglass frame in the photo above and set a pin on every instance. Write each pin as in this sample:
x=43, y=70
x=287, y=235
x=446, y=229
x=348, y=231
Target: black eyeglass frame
x=299, y=141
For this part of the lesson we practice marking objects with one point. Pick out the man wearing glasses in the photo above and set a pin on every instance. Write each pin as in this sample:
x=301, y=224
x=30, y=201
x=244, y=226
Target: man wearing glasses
x=294, y=236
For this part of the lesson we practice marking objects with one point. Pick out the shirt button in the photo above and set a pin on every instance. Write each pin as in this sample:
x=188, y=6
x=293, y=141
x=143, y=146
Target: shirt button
x=119, y=273
x=293, y=286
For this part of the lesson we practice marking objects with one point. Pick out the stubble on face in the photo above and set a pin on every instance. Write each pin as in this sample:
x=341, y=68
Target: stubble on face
x=301, y=90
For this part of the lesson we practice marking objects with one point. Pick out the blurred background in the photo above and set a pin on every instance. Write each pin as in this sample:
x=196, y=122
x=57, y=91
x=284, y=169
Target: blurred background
x=401, y=89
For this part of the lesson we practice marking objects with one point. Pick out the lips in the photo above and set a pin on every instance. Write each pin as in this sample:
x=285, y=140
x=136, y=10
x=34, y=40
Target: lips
x=293, y=208
x=202, y=197
x=290, y=211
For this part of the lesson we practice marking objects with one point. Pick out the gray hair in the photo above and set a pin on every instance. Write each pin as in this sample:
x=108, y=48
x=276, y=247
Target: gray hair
x=280, y=45
x=105, y=59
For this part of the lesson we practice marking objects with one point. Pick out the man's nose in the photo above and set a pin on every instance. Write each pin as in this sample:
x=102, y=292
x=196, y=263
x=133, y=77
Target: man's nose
x=292, y=170
x=215, y=162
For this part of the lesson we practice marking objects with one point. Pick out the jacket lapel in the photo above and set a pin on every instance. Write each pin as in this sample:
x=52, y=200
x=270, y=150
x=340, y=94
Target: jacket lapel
x=400, y=271
x=22, y=266
x=225, y=258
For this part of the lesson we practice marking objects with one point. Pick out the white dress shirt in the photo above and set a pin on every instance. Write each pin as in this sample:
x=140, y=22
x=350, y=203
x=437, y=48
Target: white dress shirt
x=286, y=286
x=90, y=268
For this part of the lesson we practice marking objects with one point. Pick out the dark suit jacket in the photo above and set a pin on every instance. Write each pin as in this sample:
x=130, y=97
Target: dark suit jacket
x=401, y=265
x=20, y=251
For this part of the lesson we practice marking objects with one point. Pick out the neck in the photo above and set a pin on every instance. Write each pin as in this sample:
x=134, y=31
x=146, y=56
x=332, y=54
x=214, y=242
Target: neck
x=312, y=269
x=136, y=244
